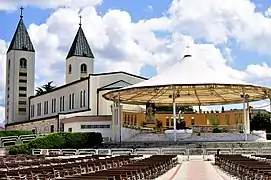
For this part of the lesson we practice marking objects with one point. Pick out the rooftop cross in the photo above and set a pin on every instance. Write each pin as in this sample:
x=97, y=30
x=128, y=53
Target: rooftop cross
x=21, y=16
x=187, y=52
x=80, y=24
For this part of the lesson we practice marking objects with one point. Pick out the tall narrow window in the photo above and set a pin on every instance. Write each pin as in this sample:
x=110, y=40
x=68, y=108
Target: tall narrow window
x=70, y=69
x=45, y=108
x=84, y=99
x=83, y=68
x=23, y=63
x=39, y=109
x=9, y=64
x=63, y=103
x=60, y=103
x=32, y=110
x=72, y=100
x=52, y=105
x=81, y=94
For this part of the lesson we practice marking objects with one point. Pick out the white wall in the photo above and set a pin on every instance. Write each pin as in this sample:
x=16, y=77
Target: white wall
x=76, y=127
x=75, y=88
x=76, y=62
x=14, y=57
x=100, y=80
x=84, y=113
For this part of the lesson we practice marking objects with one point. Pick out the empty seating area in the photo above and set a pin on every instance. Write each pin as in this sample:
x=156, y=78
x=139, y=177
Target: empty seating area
x=128, y=167
x=255, y=167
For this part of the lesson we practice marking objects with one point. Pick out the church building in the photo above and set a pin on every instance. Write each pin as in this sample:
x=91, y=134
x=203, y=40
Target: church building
x=76, y=106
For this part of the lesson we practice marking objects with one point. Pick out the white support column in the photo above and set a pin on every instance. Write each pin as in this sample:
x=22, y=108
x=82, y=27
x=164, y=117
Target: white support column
x=245, y=115
x=174, y=114
x=248, y=120
x=114, y=121
x=119, y=118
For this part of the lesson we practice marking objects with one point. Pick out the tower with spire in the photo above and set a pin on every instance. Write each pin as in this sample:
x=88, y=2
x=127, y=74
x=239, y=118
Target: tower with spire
x=20, y=74
x=79, y=61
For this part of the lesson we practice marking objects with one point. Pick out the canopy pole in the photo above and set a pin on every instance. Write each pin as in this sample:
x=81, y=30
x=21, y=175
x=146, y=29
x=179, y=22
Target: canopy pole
x=174, y=115
x=245, y=115
x=119, y=117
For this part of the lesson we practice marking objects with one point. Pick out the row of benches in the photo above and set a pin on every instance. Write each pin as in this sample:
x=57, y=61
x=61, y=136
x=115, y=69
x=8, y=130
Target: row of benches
x=256, y=167
x=148, y=168
x=83, y=167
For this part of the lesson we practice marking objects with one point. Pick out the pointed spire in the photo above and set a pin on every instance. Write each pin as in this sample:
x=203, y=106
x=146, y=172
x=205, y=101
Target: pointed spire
x=80, y=46
x=21, y=39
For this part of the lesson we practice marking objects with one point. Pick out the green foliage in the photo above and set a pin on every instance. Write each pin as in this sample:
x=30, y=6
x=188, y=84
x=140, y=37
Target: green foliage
x=45, y=88
x=19, y=149
x=14, y=133
x=79, y=140
x=215, y=121
x=184, y=109
x=216, y=130
x=261, y=121
x=51, y=141
x=67, y=140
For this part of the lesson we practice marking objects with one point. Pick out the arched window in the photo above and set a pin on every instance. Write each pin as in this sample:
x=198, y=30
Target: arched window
x=23, y=63
x=83, y=68
x=70, y=69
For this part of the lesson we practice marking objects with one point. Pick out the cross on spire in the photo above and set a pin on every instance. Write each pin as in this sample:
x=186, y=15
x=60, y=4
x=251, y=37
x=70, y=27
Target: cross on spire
x=187, y=51
x=21, y=16
x=80, y=24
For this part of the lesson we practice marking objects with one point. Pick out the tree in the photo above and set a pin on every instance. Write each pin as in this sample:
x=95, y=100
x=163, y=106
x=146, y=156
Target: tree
x=261, y=121
x=48, y=87
x=45, y=88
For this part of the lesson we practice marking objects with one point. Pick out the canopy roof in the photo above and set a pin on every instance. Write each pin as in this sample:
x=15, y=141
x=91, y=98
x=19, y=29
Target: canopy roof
x=212, y=87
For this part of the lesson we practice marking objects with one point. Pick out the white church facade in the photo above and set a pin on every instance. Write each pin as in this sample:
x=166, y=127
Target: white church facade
x=76, y=106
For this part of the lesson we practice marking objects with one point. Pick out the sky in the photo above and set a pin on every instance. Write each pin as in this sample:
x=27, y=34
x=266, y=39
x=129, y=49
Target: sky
x=145, y=37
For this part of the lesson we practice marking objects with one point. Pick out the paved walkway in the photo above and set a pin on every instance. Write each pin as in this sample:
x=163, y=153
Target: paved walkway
x=194, y=170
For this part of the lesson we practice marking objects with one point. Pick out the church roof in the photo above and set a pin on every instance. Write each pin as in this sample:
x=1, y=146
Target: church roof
x=80, y=46
x=115, y=85
x=21, y=39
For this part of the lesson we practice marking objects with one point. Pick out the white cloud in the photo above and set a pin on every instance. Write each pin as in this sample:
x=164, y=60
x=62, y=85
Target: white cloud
x=150, y=8
x=14, y=4
x=120, y=44
x=221, y=20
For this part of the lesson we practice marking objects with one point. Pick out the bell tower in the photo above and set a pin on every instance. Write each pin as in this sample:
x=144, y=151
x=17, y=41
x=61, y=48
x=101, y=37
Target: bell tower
x=20, y=74
x=79, y=61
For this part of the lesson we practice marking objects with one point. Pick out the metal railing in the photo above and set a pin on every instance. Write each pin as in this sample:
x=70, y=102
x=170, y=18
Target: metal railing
x=204, y=153
x=12, y=140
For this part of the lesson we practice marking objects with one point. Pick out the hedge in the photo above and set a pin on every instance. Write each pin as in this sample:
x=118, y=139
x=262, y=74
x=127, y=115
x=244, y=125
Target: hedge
x=67, y=140
x=14, y=133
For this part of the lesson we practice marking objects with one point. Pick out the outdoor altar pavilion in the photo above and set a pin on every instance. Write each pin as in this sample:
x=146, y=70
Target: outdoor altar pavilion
x=180, y=86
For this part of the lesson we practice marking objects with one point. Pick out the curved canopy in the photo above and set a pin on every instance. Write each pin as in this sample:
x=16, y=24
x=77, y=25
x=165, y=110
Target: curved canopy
x=210, y=88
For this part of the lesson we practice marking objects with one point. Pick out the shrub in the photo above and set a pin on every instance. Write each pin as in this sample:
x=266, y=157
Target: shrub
x=19, y=149
x=80, y=140
x=54, y=140
x=14, y=133
x=72, y=140
x=216, y=130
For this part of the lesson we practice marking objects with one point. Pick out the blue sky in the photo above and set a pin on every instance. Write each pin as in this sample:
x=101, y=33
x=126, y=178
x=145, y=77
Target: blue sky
x=241, y=55
x=142, y=9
